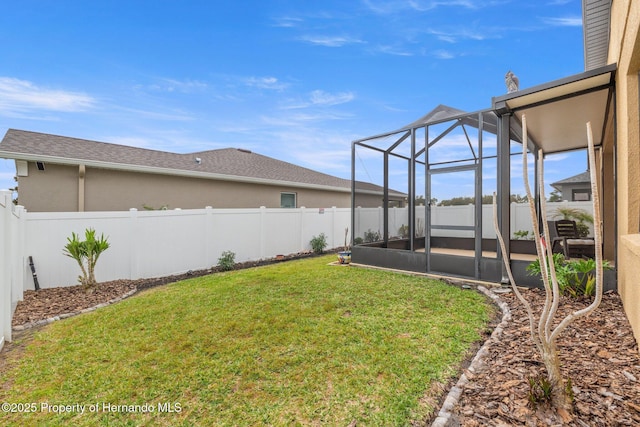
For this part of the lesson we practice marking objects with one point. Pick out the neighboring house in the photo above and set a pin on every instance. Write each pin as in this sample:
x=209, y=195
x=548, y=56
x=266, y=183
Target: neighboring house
x=62, y=174
x=576, y=188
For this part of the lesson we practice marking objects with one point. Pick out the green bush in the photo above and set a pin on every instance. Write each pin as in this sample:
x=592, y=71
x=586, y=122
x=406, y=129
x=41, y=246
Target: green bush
x=226, y=261
x=372, y=236
x=318, y=243
x=575, y=276
x=522, y=235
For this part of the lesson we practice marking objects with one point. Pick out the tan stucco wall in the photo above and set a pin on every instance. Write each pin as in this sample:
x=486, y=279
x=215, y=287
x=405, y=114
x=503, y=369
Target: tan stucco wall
x=628, y=282
x=38, y=189
x=624, y=49
x=56, y=190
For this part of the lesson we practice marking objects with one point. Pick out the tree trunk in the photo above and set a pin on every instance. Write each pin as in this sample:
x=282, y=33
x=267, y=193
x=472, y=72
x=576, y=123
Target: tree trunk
x=560, y=398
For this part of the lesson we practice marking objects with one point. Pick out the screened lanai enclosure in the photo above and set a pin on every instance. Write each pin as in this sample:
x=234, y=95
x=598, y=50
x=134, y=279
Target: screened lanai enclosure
x=449, y=163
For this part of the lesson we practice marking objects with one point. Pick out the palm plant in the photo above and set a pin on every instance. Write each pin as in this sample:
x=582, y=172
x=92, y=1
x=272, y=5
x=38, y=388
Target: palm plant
x=86, y=254
x=581, y=217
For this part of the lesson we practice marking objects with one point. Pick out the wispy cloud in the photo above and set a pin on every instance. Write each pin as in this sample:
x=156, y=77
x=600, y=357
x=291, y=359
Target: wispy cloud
x=320, y=97
x=385, y=7
x=570, y=21
x=393, y=50
x=184, y=86
x=330, y=41
x=271, y=83
x=443, y=54
x=21, y=95
x=287, y=22
x=455, y=35
x=422, y=5
x=178, y=116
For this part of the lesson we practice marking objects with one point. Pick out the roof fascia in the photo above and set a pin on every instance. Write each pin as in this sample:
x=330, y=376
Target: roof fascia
x=501, y=103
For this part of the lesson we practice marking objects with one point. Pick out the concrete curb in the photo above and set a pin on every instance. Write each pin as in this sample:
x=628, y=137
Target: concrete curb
x=444, y=418
x=26, y=326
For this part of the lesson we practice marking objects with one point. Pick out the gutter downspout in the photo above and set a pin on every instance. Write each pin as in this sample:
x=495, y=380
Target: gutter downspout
x=81, y=173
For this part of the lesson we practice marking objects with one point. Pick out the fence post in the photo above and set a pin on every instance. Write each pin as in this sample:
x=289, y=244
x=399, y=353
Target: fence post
x=6, y=299
x=19, y=276
x=134, y=246
x=303, y=245
x=333, y=226
x=263, y=231
x=208, y=235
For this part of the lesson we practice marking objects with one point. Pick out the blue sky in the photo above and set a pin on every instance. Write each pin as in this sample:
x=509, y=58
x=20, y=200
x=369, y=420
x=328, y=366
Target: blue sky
x=293, y=80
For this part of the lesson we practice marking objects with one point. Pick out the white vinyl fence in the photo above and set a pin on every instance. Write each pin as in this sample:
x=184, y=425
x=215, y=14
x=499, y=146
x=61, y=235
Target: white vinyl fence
x=371, y=219
x=149, y=243
x=11, y=267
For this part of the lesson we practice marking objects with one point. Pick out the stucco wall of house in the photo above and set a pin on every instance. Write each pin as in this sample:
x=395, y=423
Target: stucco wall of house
x=624, y=49
x=120, y=190
x=56, y=189
x=567, y=191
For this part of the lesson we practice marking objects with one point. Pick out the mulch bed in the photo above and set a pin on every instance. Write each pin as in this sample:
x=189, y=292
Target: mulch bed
x=51, y=302
x=598, y=353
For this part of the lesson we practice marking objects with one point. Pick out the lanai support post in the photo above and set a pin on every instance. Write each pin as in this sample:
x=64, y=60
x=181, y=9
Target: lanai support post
x=353, y=193
x=478, y=197
x=385, y=202
x=412, y=192
x=504, y=189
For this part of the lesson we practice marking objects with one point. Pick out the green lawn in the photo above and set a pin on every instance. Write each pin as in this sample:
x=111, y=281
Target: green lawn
x=297, y=343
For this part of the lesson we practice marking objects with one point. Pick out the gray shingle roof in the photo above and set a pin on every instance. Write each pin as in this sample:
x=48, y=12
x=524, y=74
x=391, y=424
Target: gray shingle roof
x=581, y=178
x=228, y=161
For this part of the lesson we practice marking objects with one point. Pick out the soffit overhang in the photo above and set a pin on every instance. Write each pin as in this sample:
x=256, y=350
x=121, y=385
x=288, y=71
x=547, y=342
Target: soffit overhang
x=557, y=112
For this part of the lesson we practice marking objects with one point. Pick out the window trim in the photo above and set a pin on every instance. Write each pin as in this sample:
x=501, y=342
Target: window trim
x=295, y=199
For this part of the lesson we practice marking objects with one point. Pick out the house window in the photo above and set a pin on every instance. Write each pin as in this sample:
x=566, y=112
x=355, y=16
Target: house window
x=581, y=195
x=287, y=200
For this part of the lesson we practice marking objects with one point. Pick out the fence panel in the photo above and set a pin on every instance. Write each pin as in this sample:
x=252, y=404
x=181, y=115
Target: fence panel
x=12, y=265
x=158, y=243
x=372, y=218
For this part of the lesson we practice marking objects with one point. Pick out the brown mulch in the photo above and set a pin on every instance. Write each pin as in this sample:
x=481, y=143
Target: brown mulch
x=598, y=353
x=51, y=302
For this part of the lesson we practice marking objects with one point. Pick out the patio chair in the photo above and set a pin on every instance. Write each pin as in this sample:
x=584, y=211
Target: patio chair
x=573, y=246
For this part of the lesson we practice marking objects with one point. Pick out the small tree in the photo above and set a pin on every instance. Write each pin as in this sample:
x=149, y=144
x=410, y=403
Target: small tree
x=86, y=254
x=544, y=336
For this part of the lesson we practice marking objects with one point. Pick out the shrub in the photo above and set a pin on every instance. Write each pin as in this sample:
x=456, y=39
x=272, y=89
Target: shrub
x=522, y=235
x=226, y=261
x=372, y=236
x=575, y=277
x=86, y=254
x=318, y=243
